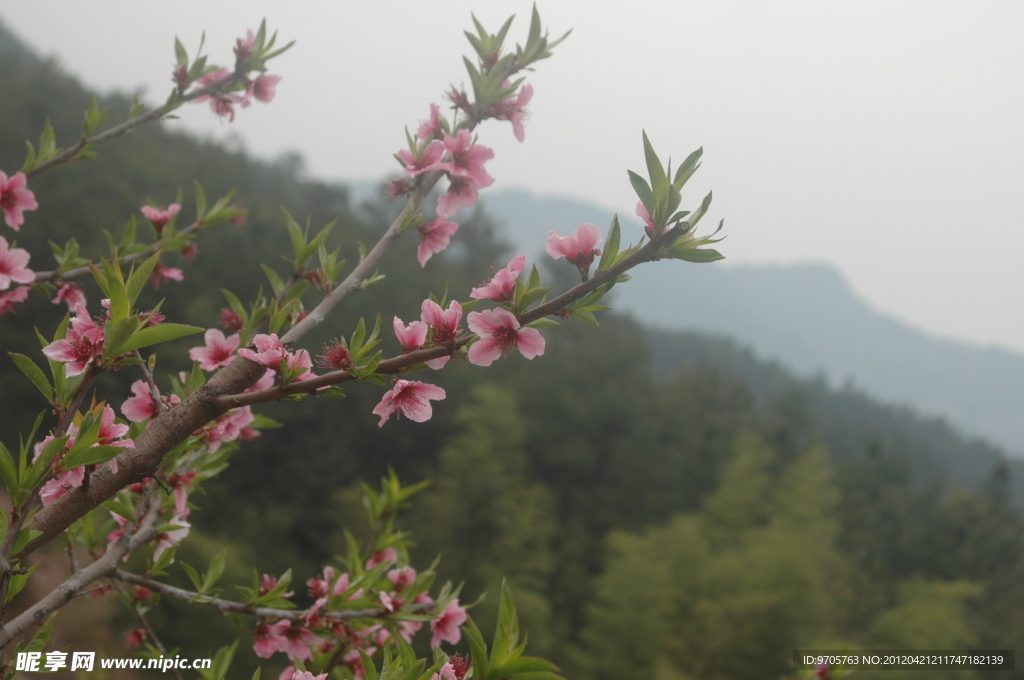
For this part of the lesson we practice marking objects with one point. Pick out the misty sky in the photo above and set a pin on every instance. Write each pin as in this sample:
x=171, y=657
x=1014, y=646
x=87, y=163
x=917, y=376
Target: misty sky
x=885, y=138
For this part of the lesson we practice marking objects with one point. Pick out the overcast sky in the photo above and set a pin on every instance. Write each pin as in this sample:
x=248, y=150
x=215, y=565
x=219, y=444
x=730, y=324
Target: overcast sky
x=886, y=138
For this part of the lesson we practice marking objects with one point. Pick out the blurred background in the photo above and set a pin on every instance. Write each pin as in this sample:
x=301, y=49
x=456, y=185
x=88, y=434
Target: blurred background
x=816, y=443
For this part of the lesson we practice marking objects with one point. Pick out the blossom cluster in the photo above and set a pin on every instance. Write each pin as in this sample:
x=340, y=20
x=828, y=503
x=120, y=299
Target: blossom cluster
x=434, y=149
x=395, y=594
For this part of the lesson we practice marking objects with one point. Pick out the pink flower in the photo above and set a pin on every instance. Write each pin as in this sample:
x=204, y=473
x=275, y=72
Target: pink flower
x=502, y=286
x=642, y=213
x=431, y=129
x=434, y=238
x=299, y=365
x=82, y=345
x=306, y=675
x=162, y=274
x=412, y=336
x=221, y=104
x=160, y=217
x=134, y=638
x=264, y=87
x=467, y=159
x=335, y=356
x=110, y=431
x=297, y=640
x=141, y=407
x=443, y=325
x=70, y=294
x=218, y=351
x=230, y=320
x=411, y=398
x=64, y=481
x=243, y=48
x=171, y=537
x=268, y=639
x=447, y=673
x=424, y=159
x=499, y=330
x=446, y=626
x=402, y=577
x=577, y=249
x=462, y=193
x=12, y=265
x=382, y=556
x=514, y=111
x=228, y=427
x=269, y=350
x=13, y=297
x=15, y=198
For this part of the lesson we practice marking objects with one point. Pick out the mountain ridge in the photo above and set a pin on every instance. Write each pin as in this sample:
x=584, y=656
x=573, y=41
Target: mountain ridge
x=808, y=317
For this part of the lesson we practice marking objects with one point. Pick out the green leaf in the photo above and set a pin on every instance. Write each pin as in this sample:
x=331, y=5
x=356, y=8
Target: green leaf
x=89, y=455
x=216, y=569
x=8, y=471
x=699, y=255
x=643, y=191
x=193, y=575
x=157, y=334
x=656, y=171
x=180, y=55
x=138, y=278
x=200, y=202
x=477, y=648
x=524, y=664
x=611, y=245
x=542, y=323
x=275, y=281
x=688, y=167
x=41, y=466
x=47, y=142
x=116, y=334
x=506, y=632
x=33, y=373
x=119, y=508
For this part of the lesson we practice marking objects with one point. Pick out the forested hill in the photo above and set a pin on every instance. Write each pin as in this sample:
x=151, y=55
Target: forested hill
x=657, y=500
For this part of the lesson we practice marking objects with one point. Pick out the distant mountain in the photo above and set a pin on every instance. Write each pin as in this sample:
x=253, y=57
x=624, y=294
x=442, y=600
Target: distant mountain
x=807, y=317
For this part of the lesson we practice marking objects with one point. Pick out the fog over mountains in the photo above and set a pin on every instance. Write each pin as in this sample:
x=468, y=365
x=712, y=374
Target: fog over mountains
x=805, y=316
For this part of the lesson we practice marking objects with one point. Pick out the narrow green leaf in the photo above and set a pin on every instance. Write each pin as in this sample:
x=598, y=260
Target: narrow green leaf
x=656, y=171
x=47, y=142
x=477, y=648
x=116, y=334
x=643, y=191
x=698, y=255
x=611, y=245
x=216, y=569
x=200, y=202
x=157, y=334
x=193, y=575
x=33, y=373
x=524, y=664
x=506, y=631
x=688, y=167
x=41, y=466
x=180, y=55
x=542, y=323
x=275, y=281
x=120, y=509
x=138, y=278
x=89, y=455
x=8, y=471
